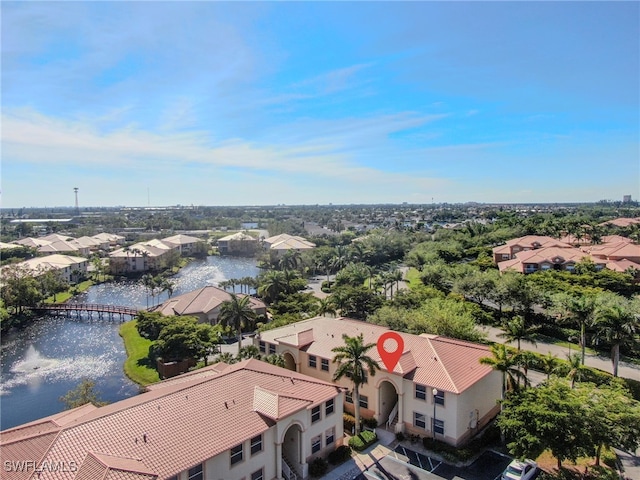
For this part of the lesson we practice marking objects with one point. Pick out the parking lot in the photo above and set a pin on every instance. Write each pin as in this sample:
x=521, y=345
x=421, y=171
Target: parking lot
x=406, y=464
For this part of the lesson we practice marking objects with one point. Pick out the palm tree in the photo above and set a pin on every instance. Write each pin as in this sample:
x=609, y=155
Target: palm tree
x=272, y=284
x=516, y=329
x=354, y=363
x=575, y=368
x=617, y=324
x=325, y=305
x=580, y=310
x=237, y=314
x=507, y=364
x=549, y=364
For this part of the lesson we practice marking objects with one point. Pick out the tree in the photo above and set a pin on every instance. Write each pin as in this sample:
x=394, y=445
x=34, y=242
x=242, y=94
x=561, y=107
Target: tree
x=276, y=359
x=547, y=417
x=185, y=338
x=272, y=284
x=356, y=302
x=516, y=329
x=20, y=288
x=150, y=324
x=577, y=309
x=237, y=314
x=549, y=364
x=617, y=324
x=613, y=417
x=576, y=369
x=84, y=393
x=325, y=306
x=506, y=363
x=354, y=363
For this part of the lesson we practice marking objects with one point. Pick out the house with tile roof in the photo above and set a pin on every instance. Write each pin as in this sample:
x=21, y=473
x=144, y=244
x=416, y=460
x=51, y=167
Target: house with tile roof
x=438, y=387
x=204, y=304
x=548, y=258
x=187, y=245
x=249, y=420
x=141, y=257
x=280, y=244
x=239, y=243
x=511, y=248
x=71, y=268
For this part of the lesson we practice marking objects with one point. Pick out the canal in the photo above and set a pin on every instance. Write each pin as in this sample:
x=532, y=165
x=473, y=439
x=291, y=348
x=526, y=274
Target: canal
x=46, y=359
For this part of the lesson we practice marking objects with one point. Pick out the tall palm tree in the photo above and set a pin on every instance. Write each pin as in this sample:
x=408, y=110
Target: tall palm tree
x=354, y=363
x=325, y=306
x=575, y=369
x=237, y=314
x=517, y=329
x=617, y=324
x=506, y=363
x=580, y=310
x=549, y=364
x=272, y=284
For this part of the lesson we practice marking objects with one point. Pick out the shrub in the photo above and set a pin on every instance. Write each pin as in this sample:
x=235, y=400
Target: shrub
x=318, y=467
x=340, y=455
x=370, y=422
x=400, y=436
x=363, y=440
x=348, y=422
x=326, y=287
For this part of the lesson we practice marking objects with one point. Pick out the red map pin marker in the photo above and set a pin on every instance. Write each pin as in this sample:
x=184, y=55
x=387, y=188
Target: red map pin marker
x=390, y=358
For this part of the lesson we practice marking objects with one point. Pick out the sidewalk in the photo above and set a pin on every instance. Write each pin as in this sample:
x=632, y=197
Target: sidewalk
x=364, y=460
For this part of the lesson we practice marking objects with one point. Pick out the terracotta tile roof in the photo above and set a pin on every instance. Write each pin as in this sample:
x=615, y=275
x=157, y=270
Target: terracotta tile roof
x=158, y=427
x=238, y=237
x=616, y=251
x=622, y=222
x=285, y=241
x=622, y=265
x=203, y=300
x=446, y=364
x=181, y=240
x=98, y=466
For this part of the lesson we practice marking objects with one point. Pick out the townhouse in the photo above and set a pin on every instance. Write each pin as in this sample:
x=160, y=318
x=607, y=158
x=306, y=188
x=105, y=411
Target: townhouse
x=71, y=268
x=438, y=387
x=250, y=420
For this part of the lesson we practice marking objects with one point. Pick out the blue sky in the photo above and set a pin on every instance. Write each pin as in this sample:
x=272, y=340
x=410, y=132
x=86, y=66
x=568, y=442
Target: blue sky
x=216, y=103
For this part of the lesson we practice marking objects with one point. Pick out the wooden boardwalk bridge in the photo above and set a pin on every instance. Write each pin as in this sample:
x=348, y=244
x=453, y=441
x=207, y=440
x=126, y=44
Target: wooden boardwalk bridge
x=77, y=309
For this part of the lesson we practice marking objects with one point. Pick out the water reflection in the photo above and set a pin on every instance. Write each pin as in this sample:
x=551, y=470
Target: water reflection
x=46, y=359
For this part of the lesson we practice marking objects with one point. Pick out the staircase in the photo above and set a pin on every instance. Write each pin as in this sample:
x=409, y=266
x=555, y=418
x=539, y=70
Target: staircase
x=393, y=417
x=288, y=472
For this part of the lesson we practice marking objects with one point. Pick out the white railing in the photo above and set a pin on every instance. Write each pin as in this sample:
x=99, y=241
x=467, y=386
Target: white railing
x=392, y=415
x=287, y=471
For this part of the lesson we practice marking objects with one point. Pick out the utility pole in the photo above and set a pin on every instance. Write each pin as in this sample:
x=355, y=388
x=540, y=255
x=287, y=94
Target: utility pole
x=75, y=190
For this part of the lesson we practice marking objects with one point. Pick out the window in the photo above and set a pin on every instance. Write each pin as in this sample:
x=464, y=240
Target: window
x=439, y=398
x=324, y=364
x=329, y=436
x=328, y=407
x=315, y=414
x=364, y=401
x=438, y=426
x=236, y=454
x=272, y=349
x=195, y=473
x=175, y=477
x=257, y=475
x=348, y=397
x=506, y=256
x=419, y=420
x=256, y=444
x=263, y=347
x=316, y=443
x=421, y=392
x=313, y=361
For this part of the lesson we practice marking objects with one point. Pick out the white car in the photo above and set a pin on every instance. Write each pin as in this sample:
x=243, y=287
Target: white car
x=520, y=470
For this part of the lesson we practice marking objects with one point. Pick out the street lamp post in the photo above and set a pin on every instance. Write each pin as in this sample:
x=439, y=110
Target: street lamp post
x=433, y=420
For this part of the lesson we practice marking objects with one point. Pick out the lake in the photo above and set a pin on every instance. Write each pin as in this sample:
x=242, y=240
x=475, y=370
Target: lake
x=46, y=359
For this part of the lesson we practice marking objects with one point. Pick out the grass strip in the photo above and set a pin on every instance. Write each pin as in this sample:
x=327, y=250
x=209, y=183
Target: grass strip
x=137, y=366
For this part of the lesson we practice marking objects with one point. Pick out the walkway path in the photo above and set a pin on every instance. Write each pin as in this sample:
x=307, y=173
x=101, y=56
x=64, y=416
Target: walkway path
x=625, y=369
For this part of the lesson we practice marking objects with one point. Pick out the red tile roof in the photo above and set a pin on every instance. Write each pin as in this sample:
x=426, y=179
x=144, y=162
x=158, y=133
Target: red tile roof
x=449, y=365
x=170, y=427
x=203, y=300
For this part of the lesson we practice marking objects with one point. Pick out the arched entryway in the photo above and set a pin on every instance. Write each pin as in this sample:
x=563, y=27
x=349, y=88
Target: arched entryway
x=292, y=449
x=289, y=361
x=388, y=398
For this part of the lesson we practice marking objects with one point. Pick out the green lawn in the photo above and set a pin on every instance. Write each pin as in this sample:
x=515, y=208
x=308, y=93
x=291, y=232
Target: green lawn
x=412, y=277
x=64, y=296
x=137, y=366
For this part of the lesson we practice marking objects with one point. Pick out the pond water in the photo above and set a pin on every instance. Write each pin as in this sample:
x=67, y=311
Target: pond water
x=46, y=359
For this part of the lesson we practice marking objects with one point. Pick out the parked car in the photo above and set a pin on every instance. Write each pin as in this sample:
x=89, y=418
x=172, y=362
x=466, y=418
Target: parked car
x=520, y=470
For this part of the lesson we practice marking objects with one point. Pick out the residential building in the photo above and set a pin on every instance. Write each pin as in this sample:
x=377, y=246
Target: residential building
x=109, y=240
x=204, y=304
x=523, y=244
x=280, y=244
x=438, y=387
x=548, y=258
x=239, y=243
x=139, y=258
x=72, y=269
x=621, y=222
x=186, y=244
x=250, y=420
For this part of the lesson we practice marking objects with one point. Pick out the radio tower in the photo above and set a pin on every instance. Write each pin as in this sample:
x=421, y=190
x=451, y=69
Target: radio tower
x=75, y=190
